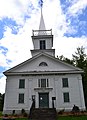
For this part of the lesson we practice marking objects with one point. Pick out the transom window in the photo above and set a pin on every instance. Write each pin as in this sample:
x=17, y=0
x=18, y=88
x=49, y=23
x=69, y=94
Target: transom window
x=21, y=98
x=43, y=64
x=22, y=83
x=66, y=97
x=42, y=44
x=65, y=82
x=43, y=83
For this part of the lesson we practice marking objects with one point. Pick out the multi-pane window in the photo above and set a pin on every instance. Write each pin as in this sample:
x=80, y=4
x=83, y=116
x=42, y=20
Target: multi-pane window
x=22, y=83
x=38, y=82
x=66, y=97
x=65, y=82
x=43, y=83
x=21, y=98
x=47, y=83
x=42, y=44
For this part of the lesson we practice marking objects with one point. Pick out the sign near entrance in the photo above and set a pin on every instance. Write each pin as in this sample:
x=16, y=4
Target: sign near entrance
x=53, y=98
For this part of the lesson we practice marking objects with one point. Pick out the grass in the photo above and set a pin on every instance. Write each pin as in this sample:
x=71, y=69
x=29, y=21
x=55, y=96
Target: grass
x=18, y=119
x=0, y=113
x=62, y=118
x=72, y=118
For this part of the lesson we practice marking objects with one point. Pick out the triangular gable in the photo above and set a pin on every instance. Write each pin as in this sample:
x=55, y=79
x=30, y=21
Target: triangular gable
x=53, y=64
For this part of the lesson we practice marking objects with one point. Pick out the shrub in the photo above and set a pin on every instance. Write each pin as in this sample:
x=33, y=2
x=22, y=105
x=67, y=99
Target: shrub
x=1, y=113
x=15, y=115
x=6, y=115
x=25, y=114
x=13, y=112
x=61, y=112
x=22, y=111
x=75, y=109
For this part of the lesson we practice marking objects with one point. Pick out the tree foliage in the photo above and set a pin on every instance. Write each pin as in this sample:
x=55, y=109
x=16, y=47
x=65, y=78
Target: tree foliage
x=64, y=59
x=79, y=58
x=1, y=101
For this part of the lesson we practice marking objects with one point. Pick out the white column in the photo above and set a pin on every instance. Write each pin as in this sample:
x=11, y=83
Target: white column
x=81, y=94
x=56, y=92
x=50, y=99
x=30, y=93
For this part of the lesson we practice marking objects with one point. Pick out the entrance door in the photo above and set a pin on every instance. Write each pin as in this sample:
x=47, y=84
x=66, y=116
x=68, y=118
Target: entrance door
x=44, y=100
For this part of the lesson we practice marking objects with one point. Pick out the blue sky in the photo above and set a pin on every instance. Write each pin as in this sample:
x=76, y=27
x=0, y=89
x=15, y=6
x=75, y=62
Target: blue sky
x=67, y=18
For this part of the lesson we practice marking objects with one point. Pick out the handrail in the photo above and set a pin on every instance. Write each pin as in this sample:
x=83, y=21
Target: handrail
x=32, y=106
x=41, y=32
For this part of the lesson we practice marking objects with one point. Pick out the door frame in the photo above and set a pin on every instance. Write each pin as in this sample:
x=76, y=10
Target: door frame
x=47, y=93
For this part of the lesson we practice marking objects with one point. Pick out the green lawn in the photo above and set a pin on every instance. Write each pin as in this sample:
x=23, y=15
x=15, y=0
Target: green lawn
x=72, y=118
x=62, y=118
x=18, y=119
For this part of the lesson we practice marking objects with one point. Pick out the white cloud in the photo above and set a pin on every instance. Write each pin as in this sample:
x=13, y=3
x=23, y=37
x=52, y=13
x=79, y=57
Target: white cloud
x=67, y=46
x=77, y=7
x=16, y=9
x=18, y=46
x=2, y=84
x=2, y=59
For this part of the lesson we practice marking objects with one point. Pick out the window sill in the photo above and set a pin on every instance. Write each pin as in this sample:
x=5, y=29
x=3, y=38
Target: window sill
x=43, y=89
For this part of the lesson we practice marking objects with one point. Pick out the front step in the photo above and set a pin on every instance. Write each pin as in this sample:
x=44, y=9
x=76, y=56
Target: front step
x=43, y=114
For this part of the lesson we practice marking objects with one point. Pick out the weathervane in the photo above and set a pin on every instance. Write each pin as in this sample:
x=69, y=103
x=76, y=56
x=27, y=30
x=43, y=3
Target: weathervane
x=41, y=3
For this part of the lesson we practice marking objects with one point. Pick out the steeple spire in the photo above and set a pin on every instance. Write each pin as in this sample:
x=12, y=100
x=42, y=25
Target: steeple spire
x=42, y=24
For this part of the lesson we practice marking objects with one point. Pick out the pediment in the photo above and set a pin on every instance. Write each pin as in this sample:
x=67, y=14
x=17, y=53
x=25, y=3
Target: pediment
x=42, y=63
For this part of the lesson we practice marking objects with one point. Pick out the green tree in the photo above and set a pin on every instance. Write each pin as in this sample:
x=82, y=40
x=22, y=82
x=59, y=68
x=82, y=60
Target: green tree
x=80, y=60
x=1, y=101
x=64, y=59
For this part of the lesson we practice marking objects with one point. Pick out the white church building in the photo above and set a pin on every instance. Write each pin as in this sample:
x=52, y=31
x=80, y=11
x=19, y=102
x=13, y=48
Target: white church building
x=44, y=78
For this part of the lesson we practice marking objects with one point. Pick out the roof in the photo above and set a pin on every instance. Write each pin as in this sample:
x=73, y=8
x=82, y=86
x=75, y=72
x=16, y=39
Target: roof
x=30, y=67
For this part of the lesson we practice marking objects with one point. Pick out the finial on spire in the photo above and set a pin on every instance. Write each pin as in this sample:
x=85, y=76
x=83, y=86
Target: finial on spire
x=41, y=3
x=42, y=29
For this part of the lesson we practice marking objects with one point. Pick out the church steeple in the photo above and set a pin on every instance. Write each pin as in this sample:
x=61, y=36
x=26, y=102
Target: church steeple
x=42, y=38
x=42, y=24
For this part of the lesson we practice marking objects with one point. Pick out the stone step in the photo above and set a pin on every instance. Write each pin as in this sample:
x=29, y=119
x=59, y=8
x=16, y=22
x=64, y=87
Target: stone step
x=43, y=114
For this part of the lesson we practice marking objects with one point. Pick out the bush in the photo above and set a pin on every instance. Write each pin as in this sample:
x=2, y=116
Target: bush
x=22, y=111
x=13, y=112
x=15, y=115
x=61, y=112
x=75, y=109
x=1, y=113
x=6, y=115
x=25, y=114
